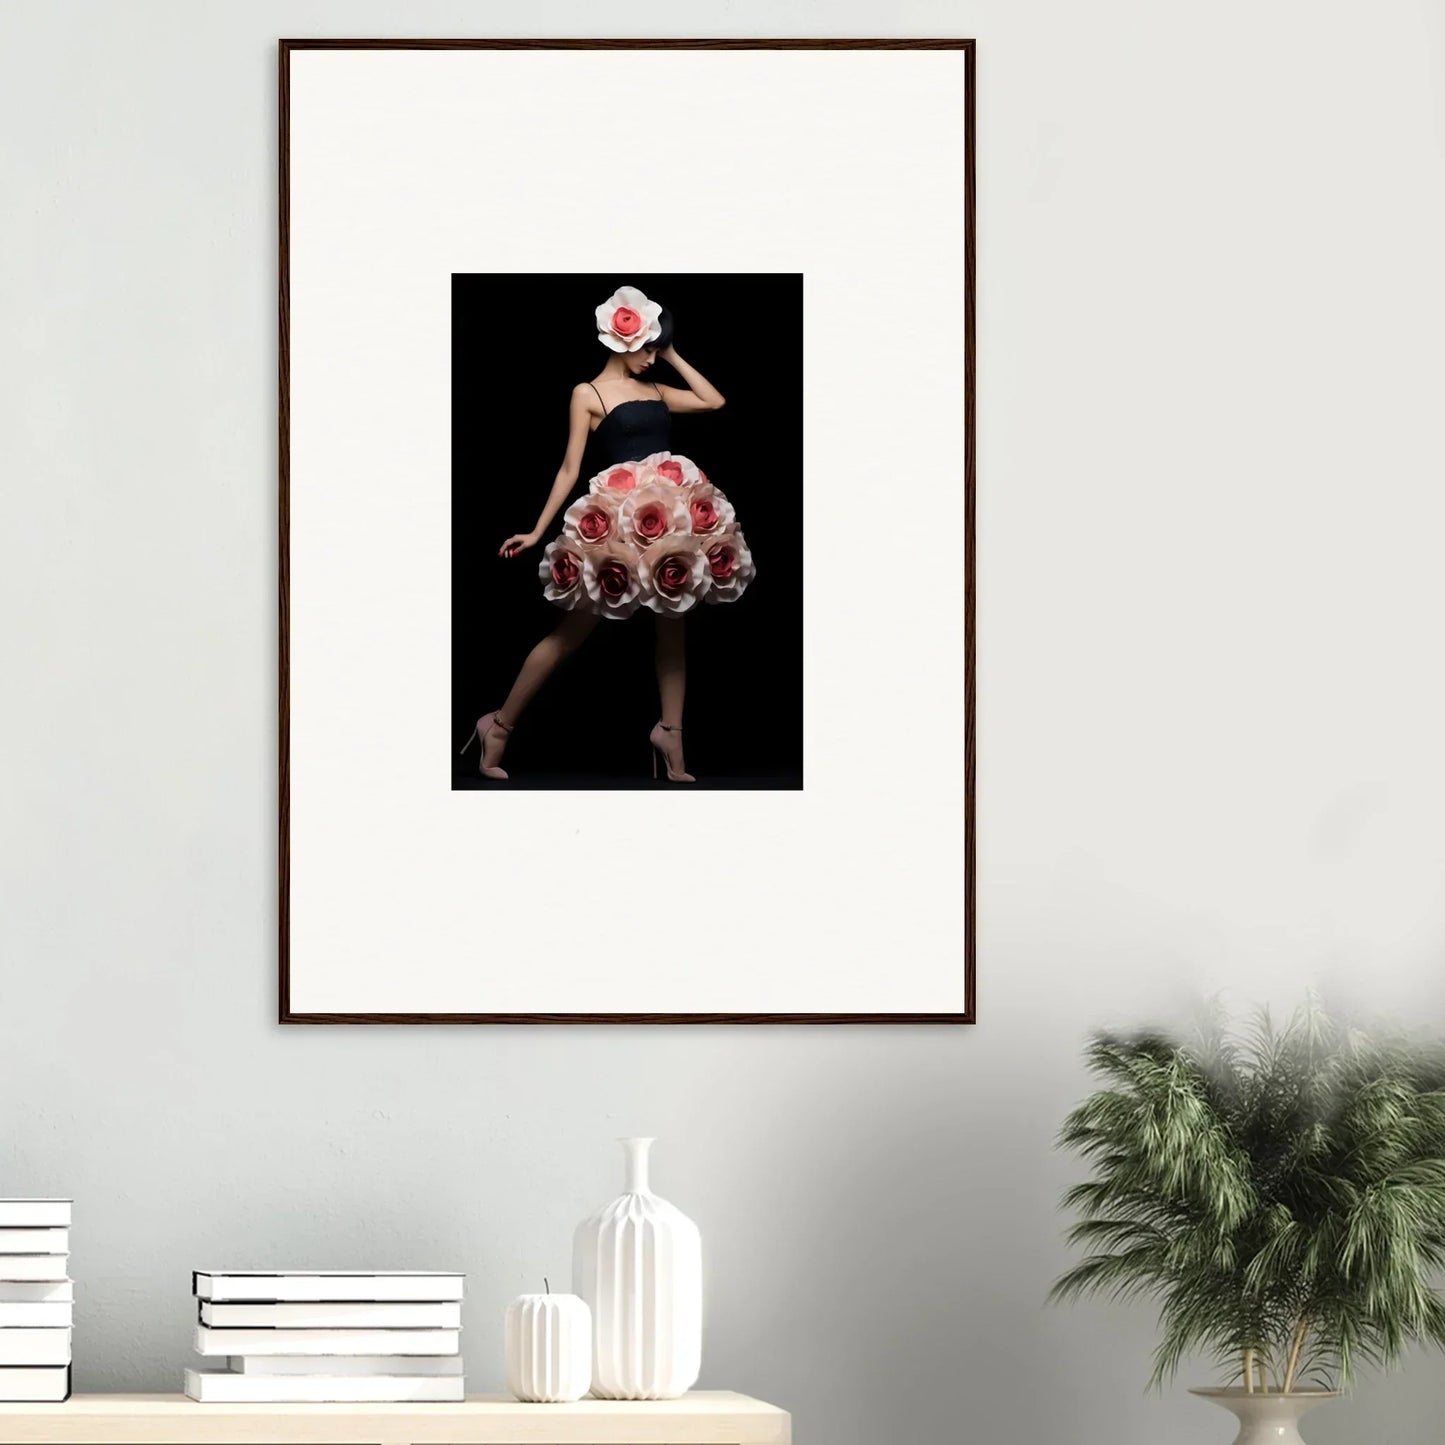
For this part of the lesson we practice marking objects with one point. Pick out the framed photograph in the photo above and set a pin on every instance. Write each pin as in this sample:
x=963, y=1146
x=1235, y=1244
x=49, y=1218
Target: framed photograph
x=627, y=531
x=651, y=458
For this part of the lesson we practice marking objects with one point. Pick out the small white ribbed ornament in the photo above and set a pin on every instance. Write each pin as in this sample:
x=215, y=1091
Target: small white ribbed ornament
x=638, y=1264
x=549, y=1347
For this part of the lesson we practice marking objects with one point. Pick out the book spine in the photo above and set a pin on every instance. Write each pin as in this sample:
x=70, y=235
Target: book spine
x=34, y=1213
x=35, y=1314
x=29, y=1347
x=222, y=1386
x=28, y=1385
x=345, y=1364
x=34, y=1240
x=332, y=1315
x=212, y=1341
x=42, y=1291
x=25, y=1268
x=318, y=1289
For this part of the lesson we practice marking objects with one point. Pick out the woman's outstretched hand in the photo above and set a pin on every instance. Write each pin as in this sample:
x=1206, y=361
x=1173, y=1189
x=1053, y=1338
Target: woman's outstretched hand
x=515, y=546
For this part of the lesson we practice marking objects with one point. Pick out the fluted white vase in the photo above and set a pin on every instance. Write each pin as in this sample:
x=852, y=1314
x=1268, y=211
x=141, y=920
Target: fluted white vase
x=549, y=1347
x=638, y=1264
x=1267, y=1419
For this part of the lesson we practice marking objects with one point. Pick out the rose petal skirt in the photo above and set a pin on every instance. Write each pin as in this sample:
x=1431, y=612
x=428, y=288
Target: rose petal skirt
x=653, y=533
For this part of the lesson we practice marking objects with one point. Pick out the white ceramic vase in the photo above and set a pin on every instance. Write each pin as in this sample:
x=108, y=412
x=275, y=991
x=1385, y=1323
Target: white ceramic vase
x=638, y=1264
x=1267, y=1419
x=549, y=1347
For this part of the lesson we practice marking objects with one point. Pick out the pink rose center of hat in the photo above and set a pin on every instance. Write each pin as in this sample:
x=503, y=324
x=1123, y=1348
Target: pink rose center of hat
x=625, y=321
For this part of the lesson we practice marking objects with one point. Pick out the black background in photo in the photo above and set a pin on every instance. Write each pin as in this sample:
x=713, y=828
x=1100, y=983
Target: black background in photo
x=520, y=343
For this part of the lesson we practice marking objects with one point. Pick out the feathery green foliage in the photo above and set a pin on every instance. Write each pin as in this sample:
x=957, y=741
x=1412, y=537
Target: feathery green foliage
x=1280, y=1193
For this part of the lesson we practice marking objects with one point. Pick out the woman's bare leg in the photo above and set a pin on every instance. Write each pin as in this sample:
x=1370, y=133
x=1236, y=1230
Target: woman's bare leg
x=671, y=668
x=541, y=662
x=672, y=685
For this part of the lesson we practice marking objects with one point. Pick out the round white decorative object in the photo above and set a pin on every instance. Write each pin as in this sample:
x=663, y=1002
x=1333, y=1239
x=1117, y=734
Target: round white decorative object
x=638, y=1264
x=549, y=1347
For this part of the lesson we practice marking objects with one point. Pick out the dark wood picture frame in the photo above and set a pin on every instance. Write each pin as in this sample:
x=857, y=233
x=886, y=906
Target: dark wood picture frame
x=286, y=1014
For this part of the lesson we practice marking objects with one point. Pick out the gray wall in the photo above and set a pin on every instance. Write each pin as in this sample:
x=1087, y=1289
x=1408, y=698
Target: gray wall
x=1210, y=515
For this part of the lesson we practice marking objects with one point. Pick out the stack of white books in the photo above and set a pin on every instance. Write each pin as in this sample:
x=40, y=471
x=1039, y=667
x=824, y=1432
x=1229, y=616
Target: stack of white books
x=292, y=1335
x=35, y=1299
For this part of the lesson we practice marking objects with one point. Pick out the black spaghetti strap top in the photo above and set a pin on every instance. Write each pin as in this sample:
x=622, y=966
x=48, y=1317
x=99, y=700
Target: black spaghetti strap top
x=632, y=430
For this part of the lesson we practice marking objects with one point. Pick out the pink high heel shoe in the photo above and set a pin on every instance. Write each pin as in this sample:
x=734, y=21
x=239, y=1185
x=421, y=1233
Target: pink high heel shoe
x=661, y=748
x=479, y=736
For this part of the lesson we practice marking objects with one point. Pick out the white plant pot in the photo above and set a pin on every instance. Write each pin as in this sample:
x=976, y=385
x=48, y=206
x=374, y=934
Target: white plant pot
x=638, y=1264
x=1267, y=1419
x=549, y=1347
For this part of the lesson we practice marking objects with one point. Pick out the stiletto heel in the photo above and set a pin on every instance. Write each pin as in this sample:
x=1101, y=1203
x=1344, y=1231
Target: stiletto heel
x=659, y=750
x=484, y=725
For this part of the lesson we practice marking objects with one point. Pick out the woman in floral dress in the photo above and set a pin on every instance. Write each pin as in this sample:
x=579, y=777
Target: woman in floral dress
x=652, y=532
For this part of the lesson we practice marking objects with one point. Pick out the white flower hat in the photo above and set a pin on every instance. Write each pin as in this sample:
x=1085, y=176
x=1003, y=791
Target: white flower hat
x=627, y=320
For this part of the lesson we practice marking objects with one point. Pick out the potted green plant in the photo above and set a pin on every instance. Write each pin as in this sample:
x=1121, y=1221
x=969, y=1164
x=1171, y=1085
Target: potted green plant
x=1279, y=1192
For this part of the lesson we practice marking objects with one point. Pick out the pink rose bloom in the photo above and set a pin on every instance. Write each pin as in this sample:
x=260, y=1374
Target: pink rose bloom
x=609, y=575
x=561, y=572
x=651, y=513
x=674, y=575
x=729, y=564
x=671, y=467
x=592, y=519
x=707, y=509
x=621, y=478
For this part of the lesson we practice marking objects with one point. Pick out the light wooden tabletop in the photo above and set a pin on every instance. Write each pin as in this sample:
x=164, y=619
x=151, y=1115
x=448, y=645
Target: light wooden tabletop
x=705, y=1417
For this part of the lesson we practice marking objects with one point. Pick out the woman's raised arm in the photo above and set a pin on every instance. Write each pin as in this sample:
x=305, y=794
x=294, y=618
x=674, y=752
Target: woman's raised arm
x=703, y=396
